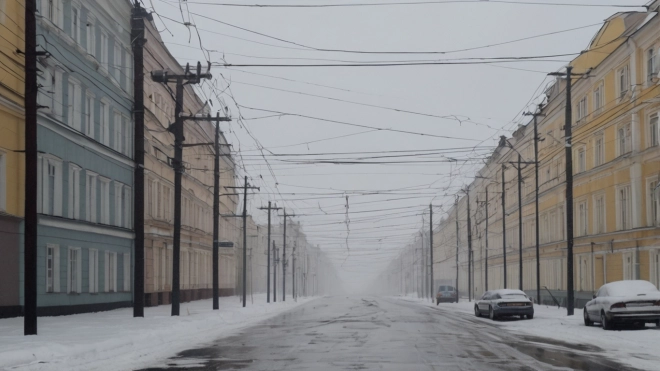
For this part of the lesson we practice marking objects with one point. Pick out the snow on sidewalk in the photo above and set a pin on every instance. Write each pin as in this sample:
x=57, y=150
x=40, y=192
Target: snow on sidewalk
x=637, y=348
x=114, y=340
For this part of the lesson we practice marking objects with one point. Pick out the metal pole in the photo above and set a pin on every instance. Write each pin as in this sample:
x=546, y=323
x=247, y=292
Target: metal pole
x=486, y=260
x=216, y=216
x=178, y=171
x=30, y=239
x=245, y=187
x=268, y=262
x=457, y=246
x=469, y=233
x=284, y=261
x=536, y=203
x=569, y=194
x=431, y=247
x=520, y=241
x=137, y=36
x=275, y=259
x=504, y=222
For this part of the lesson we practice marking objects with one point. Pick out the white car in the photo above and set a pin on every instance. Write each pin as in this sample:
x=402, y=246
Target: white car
x=504, y=303
x=634, y=302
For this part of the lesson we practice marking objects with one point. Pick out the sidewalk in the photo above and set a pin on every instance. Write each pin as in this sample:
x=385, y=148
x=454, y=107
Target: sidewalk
x=114, y=340
x=635, y=347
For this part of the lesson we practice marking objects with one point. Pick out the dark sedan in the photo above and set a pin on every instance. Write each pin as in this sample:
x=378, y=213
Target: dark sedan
x=504, y=303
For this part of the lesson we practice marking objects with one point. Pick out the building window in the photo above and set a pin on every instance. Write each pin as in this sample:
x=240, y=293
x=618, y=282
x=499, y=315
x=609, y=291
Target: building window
x=74, y=191
x=110, y=271
x=150, y=197
x=598, y=97
x=653, y=203
x=623, y=81
x=119, y=204
x=581, y=211
x=599, y=151
x=75, y=24
x=74, y=271
x=653, y=130
x=127, y=272
x=53, y=8
x=128, y=71
x=89, y=115
x=599, y=214
x=582, y=108
x=104, y=50
x=104, y=130
x=90, y=197
x=93, y=271
x=91, y=38
x=52, y=268
x=74, y=111
x=624, y=208
x=117, y=61
x=127, y=142
x=581, y=160
x=166, y=202
x=105, y=200
x=127, y=201
x=624, y=139
x=651, y=65
x=49, y=195
x=57, y=93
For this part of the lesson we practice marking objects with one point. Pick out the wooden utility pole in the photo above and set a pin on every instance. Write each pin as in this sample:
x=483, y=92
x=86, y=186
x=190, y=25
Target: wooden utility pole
x=486, y=261
x=457, y=246
x=469, y=235
x=536, y=202
x=30, y=239
x=568, y=127
x=269, y=208
x=284, y=262
x=276, y=260
x=431, y=248
x=186, y=78
x=504, y=221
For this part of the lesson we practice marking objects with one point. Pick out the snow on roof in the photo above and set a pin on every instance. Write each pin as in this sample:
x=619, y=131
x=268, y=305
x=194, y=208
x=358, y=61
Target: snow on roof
x=630, y=288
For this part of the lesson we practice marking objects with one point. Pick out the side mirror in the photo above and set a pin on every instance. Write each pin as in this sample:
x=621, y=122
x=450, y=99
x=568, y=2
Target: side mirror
x=594, y=297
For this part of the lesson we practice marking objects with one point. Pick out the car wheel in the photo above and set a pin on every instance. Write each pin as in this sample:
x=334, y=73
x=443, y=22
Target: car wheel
x=492, y=314
x=476, y=311
x=530, y=316
x=604, y=322
x=587, y=320
x=657, y=323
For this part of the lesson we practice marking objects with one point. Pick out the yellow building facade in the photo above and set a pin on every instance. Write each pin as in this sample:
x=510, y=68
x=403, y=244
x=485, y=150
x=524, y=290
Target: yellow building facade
x=616, y=164
x=12, y=77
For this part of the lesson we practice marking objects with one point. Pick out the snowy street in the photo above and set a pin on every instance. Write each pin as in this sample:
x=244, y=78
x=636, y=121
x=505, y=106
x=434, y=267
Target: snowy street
x=339, y=333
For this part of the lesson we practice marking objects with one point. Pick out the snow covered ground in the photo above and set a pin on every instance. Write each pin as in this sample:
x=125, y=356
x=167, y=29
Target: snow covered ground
x=636, y=347
x=115, y=340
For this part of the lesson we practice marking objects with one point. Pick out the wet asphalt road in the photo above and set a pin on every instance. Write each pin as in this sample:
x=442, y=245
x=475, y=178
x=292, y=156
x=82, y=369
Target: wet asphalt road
x=353, y=333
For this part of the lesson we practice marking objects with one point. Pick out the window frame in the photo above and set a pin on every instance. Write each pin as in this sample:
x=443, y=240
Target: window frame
x=652, y=202
x=624, y=207
x=74, y=111
x=624, y=147
x=104, y=192
x=93, y=271
x=599, y=97
x=599, y=149
x=91, y=196
x=623, y=73
x=599, y=218
x=653, y=129
x=52, y=282
x=91, y=36
x=581, y=109
x=651, y=63
x=74, y=191
x=74, y=273
x=75, y=23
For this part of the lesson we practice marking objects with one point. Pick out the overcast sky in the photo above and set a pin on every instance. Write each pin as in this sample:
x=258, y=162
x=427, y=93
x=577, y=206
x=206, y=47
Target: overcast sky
x=481, y=102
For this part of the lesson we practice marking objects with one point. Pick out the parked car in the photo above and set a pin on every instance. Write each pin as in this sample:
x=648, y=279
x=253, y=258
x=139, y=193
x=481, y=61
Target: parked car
x=633, y=302
x=504, y=303
x=445, y=294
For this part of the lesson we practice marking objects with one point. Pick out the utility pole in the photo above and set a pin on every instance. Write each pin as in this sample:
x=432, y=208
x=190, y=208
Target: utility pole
x=284, y=262
x=269, y=208
x=424, y=264
x=520, y=241
x=536, y=202
x=431, y=246
x=293, y=271
x=216, y=193
x=504, y=221
x=30, y=239
x=138, y=41
x=457, y=246
x=568, y=127
x=486, y=261
x=469, y=233
x=177, y=163
x=245, y=187
x=276, y=259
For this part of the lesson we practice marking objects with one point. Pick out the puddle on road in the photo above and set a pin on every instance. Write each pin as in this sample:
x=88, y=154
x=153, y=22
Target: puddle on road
x=574, y=361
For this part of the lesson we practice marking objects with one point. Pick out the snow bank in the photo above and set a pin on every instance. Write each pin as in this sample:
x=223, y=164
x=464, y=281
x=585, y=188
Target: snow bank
x=635, y=347
x=115, y=340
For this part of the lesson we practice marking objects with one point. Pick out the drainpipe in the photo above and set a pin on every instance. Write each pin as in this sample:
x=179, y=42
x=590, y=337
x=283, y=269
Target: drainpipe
x=593, y=270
